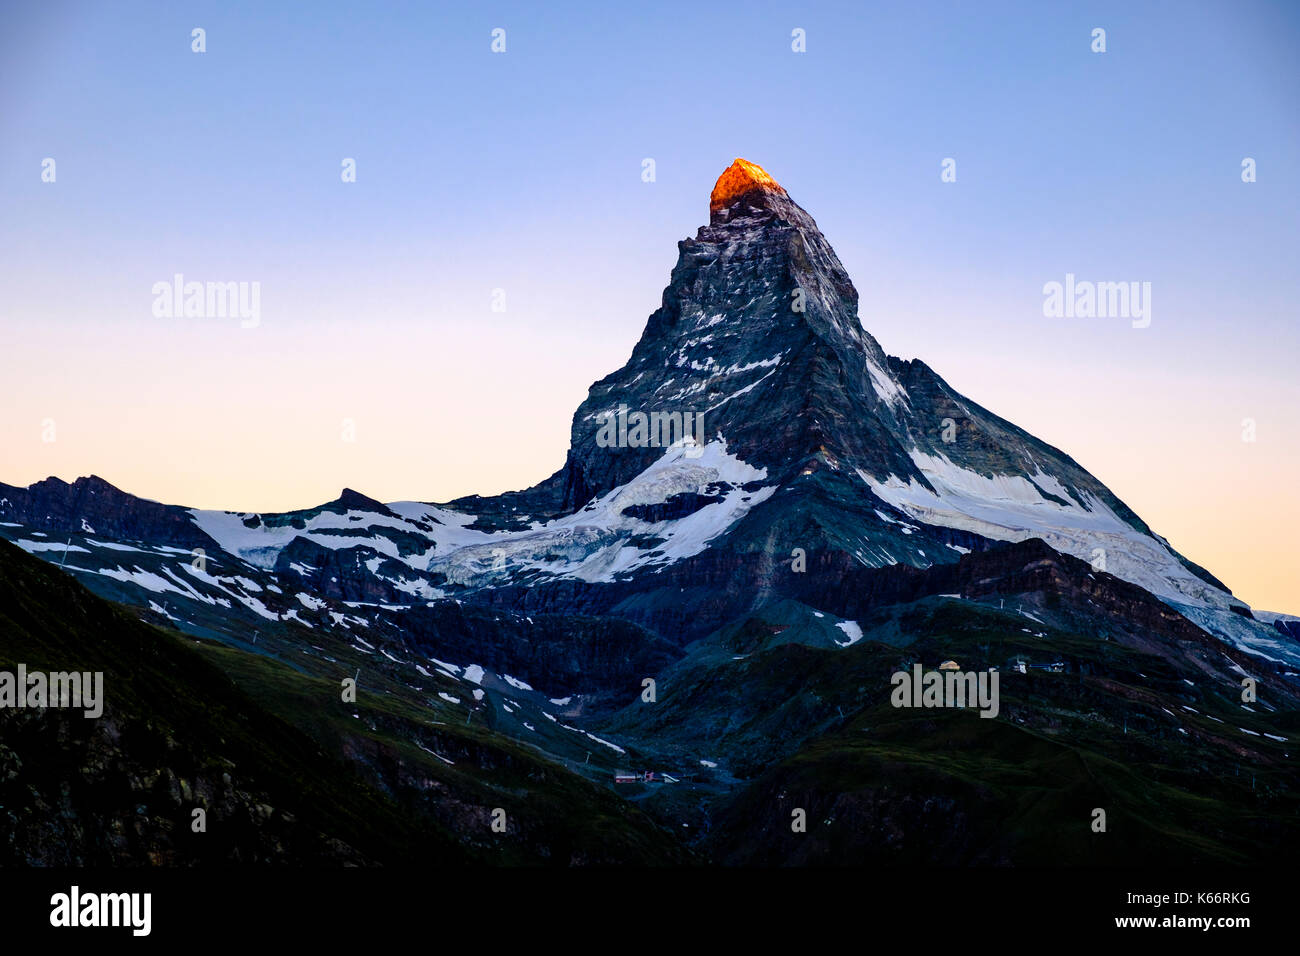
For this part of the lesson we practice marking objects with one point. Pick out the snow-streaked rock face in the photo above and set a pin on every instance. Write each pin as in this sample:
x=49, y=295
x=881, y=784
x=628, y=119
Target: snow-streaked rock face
x=259, y=540
x=1016, y=507
x=812, y=438
x=758, y=331
x=620, y=532
x=607, y=538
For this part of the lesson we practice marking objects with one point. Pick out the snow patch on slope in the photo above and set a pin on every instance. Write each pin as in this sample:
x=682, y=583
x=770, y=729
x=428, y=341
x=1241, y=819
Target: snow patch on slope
x=592, y=544
x=852, y=630
x=261, y=544
x=1016, y=508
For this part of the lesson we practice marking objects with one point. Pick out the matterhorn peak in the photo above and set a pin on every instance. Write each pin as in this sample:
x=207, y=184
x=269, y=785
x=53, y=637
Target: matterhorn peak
x=739, y=180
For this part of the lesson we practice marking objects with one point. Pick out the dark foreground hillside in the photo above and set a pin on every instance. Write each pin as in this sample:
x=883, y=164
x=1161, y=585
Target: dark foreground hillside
x=1139, y=715
x=177, y=734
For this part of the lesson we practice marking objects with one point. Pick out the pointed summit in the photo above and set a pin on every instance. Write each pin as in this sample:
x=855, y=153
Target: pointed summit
x=739, y=180
x=351, y=500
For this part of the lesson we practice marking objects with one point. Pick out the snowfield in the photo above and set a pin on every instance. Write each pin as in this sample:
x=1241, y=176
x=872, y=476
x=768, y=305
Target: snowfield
x=1016, y=508
x=600, y=543
x=590, y=544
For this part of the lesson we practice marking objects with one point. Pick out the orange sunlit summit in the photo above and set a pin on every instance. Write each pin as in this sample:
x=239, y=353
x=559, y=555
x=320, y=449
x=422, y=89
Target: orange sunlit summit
x=741, y=177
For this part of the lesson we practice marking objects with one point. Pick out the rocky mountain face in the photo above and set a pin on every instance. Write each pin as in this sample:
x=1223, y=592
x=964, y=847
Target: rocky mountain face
x=767, y=515
x=759, y=334
x=755, y=414
x=93, y=506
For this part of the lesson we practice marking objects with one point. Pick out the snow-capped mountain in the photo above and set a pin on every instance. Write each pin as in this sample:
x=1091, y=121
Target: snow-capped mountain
x=755, y=419
x=762, y=516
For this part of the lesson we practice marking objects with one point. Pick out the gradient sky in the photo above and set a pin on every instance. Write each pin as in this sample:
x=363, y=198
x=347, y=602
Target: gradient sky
x=522, y=171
